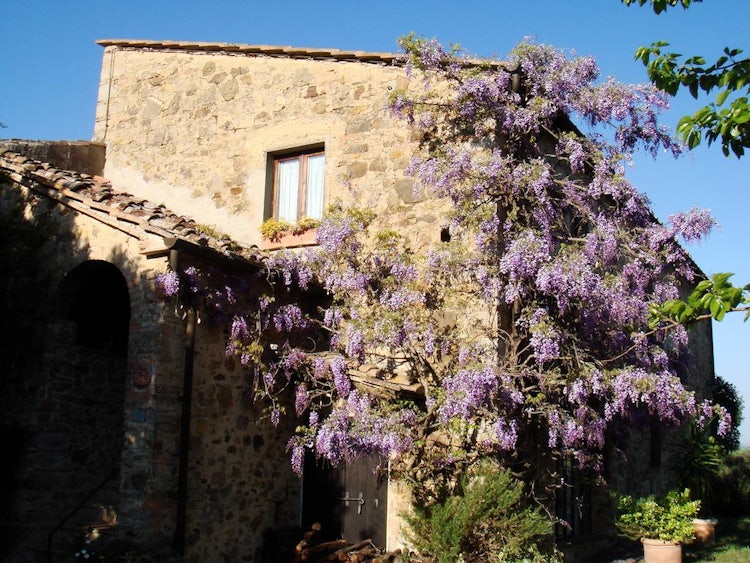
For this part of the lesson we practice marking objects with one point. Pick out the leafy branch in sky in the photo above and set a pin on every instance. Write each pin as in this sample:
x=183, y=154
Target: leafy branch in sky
x=712, y=298
x=727, y=118
x=660, y=6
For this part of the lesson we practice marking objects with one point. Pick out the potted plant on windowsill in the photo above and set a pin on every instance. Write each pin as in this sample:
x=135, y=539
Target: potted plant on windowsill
x=662, y=524
x=278, y=233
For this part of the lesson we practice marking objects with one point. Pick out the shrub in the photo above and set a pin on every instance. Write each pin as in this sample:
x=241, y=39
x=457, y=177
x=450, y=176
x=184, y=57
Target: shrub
x=726, y=395
x=668, y=518
x=732, y=485
x=488, y=521
x=305, y=224
x=275, y=229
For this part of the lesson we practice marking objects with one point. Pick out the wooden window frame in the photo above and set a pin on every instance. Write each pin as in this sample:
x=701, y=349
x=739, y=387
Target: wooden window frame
x=302, y=156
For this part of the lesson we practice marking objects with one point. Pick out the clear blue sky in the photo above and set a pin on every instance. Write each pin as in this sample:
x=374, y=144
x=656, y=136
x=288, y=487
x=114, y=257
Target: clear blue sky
x=50, y=67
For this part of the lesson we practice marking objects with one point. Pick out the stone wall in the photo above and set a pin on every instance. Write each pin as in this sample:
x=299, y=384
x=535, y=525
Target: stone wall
x=194, y=130
x=66, y=390
x=82, y=156
x=81, y=406
x=242, y=491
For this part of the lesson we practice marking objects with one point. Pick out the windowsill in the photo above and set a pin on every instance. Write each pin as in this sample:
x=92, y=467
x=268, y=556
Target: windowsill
x=308, y=238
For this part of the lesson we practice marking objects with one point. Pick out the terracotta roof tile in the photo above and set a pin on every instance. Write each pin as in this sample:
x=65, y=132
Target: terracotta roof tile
x=396, y=59
x=95, y=196
x=267, y=50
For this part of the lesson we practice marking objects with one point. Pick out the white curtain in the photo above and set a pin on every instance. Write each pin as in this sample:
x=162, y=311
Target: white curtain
x=314, y=199
x=287, y=189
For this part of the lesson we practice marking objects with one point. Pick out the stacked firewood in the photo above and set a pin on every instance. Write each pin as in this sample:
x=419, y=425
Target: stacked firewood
x=310, y=550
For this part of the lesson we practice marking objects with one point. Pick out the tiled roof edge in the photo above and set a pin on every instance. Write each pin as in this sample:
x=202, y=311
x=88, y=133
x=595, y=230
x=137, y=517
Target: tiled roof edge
x=268, y=50
x=95, y=197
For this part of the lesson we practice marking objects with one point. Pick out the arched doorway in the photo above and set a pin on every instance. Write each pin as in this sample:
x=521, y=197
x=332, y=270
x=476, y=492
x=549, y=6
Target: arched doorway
x=89, y=353
x=79, y=445
x=73, y=426
x=94, y=296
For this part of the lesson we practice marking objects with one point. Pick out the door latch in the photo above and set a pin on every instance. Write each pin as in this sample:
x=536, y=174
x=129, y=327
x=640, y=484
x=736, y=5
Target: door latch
x=360, y=500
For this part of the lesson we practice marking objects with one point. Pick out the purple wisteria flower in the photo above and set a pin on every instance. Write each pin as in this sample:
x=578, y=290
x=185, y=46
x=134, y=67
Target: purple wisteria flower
x=522, y=261
x=432, y=54
x=340, y=376
x=662, y=394
x=506, y=432
x=693, y=225
x=467, y=391
x=356, y=427
x=192, y=279
x=297, y=455
x=534, y=313
x=289, y=318
x=169, y=282
x=275, y=417
x=355, y=343
x=545, y=339
x=301, y=399
x=239, y=335
x=314, y=418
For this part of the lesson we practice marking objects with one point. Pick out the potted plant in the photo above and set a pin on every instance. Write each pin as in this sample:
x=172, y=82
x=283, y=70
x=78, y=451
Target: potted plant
x=278, y=233
x=662, y=524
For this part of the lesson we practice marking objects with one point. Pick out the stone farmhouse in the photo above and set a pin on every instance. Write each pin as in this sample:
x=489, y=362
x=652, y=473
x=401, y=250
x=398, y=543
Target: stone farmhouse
x=111, y=400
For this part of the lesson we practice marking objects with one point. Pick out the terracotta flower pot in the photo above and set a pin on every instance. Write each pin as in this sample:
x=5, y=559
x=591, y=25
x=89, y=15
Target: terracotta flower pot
x=660, y=551
x=308, y=238
x=705, y=530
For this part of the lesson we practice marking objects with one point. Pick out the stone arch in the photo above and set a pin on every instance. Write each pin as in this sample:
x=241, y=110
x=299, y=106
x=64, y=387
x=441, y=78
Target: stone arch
x=74, y=431
x=85, y=365
x=90, y=352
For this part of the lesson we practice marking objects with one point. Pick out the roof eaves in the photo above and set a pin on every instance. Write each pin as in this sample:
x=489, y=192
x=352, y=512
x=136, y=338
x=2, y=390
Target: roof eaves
x=94, y=196
x=250, y=50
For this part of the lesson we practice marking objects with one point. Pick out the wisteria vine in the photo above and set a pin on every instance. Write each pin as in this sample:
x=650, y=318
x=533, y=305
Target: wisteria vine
x=529, y=328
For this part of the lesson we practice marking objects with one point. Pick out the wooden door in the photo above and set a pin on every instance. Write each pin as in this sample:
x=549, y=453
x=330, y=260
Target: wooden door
x=349, y=501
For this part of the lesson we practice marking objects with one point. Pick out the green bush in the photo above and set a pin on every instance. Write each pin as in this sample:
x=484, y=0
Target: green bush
x=668, y=518
x=725, y=394
x=489, y=521
x=731, y=487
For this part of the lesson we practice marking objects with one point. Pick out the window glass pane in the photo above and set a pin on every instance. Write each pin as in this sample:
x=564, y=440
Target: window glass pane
x=287, y=189
x=314, y=196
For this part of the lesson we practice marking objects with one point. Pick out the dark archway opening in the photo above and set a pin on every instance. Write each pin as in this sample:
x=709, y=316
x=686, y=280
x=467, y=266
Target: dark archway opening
x=85, y=368
x=90, y=353
x=95, y=297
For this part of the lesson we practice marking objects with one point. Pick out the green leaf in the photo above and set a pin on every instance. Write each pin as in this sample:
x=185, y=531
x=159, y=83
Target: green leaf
x=715, y=308
x=721, y=279
x=643, y=54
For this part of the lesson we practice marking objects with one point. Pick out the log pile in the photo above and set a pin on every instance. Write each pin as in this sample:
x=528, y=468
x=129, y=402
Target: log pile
x=309, y=550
